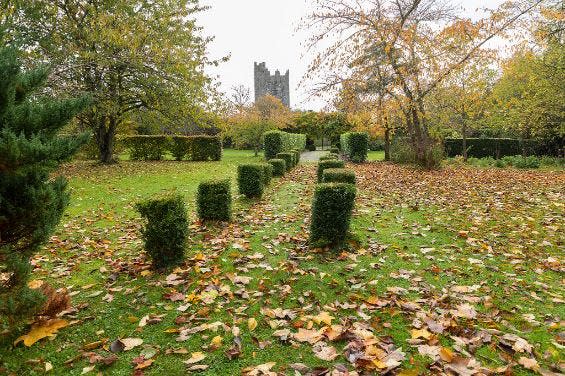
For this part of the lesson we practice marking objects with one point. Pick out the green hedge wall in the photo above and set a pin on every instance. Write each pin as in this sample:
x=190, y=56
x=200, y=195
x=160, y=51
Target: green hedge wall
x=155, y=147
x=276, y=142
x=331, y=213
x=490, y=147
x=355, y=146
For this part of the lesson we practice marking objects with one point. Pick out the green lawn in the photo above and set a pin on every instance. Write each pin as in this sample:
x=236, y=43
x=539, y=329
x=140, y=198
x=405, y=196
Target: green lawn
x=429, y=244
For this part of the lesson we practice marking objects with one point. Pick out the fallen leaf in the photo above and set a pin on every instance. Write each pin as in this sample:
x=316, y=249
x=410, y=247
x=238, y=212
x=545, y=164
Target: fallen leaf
x=39, y=331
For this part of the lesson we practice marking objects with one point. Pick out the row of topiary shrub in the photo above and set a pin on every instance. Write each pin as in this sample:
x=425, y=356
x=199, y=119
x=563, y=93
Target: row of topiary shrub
x=334, y=199
x=275, y=142
x=355, y=146
x=495, y=147
x=155, y=147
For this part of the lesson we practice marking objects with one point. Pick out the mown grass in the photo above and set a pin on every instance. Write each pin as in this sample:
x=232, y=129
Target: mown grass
x=100, y=235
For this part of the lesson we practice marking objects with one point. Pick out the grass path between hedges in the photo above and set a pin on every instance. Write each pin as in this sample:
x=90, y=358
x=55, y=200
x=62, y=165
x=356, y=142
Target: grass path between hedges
x=456, y=271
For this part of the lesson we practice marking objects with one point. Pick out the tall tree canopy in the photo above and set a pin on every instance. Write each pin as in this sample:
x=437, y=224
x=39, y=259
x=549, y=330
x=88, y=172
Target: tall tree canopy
x=130, y=54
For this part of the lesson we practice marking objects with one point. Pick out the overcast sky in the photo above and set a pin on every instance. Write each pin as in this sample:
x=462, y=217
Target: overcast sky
x=265, y=30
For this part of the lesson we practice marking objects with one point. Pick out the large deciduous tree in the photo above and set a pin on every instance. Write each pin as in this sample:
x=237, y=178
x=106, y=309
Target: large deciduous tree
x=31, y=201
x=403, y=49
x=130, y=54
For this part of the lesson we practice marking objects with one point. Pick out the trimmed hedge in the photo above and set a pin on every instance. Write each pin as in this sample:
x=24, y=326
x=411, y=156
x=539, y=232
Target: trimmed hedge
x=166, y=231
x=331, y=213
x=338, y=175
x=251, y=180
x=279, y=166
x=329, y=157
x=334, y=150
x=288, y=158
x=355, y=146
x=297, y=154
x=214, y=201
x=322, y=165
x=276, y=142
x=155, y=147
x=267, y=173
x=490, y=147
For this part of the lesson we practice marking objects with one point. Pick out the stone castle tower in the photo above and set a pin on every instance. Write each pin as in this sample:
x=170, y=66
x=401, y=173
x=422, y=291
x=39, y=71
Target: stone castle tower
x=275, y=85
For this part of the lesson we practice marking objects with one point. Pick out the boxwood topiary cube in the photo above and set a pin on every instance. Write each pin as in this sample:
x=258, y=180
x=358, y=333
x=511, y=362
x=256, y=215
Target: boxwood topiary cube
x=322, y=165
x=250, y=179
x=329, y=157
x=214, y=201
x=338, y=175
x=288, y=158
x=279, y=166
x=331, y=213
x=267, y=173
x=166, y=231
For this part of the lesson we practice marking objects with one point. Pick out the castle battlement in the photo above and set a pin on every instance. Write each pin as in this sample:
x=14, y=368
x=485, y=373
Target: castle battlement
x=276, y=85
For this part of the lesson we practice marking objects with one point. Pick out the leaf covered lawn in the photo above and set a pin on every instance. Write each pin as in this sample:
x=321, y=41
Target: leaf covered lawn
x=457, y=272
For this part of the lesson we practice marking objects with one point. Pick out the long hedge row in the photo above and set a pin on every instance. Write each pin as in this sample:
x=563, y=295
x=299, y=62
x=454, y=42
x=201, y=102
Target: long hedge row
x=495, y=147
x=276, y=142
x=155, y=147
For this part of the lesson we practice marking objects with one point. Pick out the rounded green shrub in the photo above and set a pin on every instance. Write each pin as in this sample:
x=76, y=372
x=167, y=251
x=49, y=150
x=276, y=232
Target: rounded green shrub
x=338, y=175
x=250, y=179
x=214, y=201
x=279, y=166
x=331, y=213
x=322, y=165
x=166, y=231
x=288, y=158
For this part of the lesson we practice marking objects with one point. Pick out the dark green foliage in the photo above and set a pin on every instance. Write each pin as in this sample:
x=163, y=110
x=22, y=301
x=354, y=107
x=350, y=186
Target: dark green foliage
x=250, y=179
x=214, y=201
x=276, y=142
x=492, y=147
x=331, y=213
x=279, y=166
x=339, y=175
x=288, y=158
x=297, y=155
x=355, y=146
x=322, y=165
x=402, y=152
x=310, y=145
x=334, y=150
x=267, y=173
x=166, y=231
x=155, y=147
x=329, y=157
x=31, y=201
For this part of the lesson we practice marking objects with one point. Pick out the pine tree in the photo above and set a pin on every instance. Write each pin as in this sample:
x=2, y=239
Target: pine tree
x=31, y=200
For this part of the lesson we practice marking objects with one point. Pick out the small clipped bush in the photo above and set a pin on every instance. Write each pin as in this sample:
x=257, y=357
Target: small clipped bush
x=297, y=153
x=329, y=157
x=250, y=179
x=267, y=173
x=214, y=201
x=334, y=150
x=322, y=165
x=338, y=175
x=331, y=213
x=355, y=146
x=279, y=166
x=288, y=158
x=166, y=231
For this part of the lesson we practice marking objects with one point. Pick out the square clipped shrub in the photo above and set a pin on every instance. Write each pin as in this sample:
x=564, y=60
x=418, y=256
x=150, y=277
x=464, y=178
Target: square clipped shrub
x=214, y=201
x=166, y=231
x=288, y=158
x=329, y=157
x=279, y=166
x=297, y=154
x=338, y=175
x=267, y=173
x=206, y=148
x=355, y=146
x=275, y=142
x=334, y=150
x=250, y=179
x=322, y=165
x=331, y=213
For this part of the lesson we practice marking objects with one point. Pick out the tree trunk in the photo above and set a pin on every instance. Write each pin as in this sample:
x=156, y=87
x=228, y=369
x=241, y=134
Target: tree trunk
x=105, y=136
x=387, y=143
x=464, y=141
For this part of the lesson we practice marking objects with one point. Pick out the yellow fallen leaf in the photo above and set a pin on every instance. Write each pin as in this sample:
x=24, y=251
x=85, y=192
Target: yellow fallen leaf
x=146, y=273
x=252, y=324
x=130, y=343
x=195, y=358
x=35, y=284
x=38, y=332
x=324, y=317
x=446, y=354
x=216, y=342
x=420, y=333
